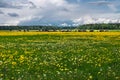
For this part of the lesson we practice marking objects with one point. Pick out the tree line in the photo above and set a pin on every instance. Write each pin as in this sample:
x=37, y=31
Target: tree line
x=39, y=28
x=115, y=26
x=110, y=26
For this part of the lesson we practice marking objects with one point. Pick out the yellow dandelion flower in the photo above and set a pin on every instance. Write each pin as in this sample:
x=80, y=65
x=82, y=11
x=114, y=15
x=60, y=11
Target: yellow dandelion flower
x=21, y=57
x=11, y=57
x=14, y=63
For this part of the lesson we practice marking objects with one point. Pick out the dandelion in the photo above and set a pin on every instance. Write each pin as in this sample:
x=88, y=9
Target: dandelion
x=14, y=63
x=21, y=57
x=63, y=55
x=11, y=57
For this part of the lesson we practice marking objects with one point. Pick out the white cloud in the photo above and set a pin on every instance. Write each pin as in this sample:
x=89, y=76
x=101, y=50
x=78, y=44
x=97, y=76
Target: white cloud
x=47, y=8
x=91, y=20
x=64, y=24
x=56, y=11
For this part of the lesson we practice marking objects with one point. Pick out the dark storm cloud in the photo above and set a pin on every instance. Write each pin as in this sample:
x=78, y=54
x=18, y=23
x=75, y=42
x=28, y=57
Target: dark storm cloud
x=13, y=14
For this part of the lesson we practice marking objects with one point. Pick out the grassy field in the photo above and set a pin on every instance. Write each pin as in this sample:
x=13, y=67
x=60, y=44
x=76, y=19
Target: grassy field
x=59, y=55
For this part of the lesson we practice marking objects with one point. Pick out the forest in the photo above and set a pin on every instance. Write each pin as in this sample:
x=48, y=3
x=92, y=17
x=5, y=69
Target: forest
x=110, y=26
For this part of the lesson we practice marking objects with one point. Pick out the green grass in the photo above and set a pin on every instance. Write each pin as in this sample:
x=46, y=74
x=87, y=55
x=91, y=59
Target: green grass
x=60, y=57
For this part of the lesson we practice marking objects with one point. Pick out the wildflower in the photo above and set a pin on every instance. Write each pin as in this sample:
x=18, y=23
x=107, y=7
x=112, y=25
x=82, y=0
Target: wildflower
x=14, y=63
x=11, y=57
x=21, y=57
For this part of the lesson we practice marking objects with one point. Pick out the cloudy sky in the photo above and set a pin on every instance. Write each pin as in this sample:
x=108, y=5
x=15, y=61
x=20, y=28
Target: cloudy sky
x=59, y=12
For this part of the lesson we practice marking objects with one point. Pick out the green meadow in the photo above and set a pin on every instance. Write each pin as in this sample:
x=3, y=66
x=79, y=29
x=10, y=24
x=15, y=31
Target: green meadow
x=60, y=56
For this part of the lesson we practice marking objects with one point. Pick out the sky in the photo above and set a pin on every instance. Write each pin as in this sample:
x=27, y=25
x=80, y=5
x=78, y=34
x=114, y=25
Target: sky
x=59, y=12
